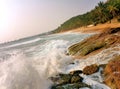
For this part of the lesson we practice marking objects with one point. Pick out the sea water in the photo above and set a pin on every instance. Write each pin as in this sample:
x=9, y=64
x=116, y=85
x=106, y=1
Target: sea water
x=28, y=63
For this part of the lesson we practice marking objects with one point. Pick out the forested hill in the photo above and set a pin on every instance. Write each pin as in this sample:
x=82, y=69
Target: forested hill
x=103, y=12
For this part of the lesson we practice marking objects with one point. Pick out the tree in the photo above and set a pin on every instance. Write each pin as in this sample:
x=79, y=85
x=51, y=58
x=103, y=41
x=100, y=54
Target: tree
x=113, y=10
x=101, y=12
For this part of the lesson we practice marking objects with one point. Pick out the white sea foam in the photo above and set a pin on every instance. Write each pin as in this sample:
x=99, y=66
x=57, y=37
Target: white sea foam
x=18, y=73
x=53, y=58
x=22, y=43
x=101, y=58
x=30, y=68
x=22, y=72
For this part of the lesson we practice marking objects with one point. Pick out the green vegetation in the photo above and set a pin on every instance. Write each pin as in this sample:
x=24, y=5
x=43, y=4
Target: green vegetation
x=102, y=13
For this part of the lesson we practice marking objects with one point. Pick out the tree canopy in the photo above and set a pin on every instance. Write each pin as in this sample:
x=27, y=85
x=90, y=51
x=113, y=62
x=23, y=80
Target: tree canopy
x=103, y=12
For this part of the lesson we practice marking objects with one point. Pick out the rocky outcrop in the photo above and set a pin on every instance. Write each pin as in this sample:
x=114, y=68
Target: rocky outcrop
x=104, y=40
x=73, y=80
x=88, y=70
x=76, y=79
x=68, y=81
x=112, y=73
x=96, y=43
x=76, y=72
x=71, y=86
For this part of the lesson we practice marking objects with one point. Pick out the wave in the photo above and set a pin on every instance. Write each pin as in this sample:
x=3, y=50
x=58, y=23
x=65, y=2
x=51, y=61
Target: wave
x=22, y=72
x=22, y=43
x=30, y=68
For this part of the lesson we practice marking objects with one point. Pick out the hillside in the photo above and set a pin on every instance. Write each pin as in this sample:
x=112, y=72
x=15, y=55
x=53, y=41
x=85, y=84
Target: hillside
x=102, y=13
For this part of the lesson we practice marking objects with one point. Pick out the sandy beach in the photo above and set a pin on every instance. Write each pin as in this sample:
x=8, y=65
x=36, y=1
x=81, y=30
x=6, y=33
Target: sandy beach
x=99, y=28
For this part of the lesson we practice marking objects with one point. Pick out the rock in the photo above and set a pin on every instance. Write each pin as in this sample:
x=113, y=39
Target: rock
x=76, y=72
x=90, y=69
x=113, y=30
x=67, y=78
x=61, y=79
x=76, y=79
x=64, y=79
x=95, y=42
x=112, y=73
x=71, y=86
x=57, y=87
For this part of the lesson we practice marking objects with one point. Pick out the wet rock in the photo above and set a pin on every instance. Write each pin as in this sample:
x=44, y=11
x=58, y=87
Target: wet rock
x=61, y=79
x=57, y=87
x=67, y=78
x=71, y=86
x=64, y=79
x=76, y=79
x=68, y=81
x=112, y=73
x=95, y=42
x=90, y=69
x=76, y=72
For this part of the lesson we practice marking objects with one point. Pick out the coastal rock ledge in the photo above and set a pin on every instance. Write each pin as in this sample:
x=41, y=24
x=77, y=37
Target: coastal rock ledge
x=95, y=43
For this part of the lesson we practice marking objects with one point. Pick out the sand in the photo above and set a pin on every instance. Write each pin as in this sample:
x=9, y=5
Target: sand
x=98, y=28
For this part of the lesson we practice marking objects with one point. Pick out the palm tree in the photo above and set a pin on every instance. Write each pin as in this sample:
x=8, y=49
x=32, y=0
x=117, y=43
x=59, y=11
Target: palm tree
x=101, y=12
x=113, y=10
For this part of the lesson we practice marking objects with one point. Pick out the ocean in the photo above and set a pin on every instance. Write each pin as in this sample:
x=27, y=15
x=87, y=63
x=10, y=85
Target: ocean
x=29, y=63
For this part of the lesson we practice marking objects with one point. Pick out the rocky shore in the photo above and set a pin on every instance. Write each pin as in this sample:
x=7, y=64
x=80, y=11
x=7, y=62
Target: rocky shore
x=110, y=71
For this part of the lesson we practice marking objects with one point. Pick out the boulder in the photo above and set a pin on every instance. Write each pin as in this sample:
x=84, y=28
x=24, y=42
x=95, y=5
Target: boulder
x=76, y=79
x=112, y=73
x=71, y=86
x=88, y=70
x=76, y=72
x=64, y=79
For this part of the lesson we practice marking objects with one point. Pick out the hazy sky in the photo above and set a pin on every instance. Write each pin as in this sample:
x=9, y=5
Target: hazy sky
x=22, y=18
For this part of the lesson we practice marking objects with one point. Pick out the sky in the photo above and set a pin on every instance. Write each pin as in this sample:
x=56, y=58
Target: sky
x=23, y=18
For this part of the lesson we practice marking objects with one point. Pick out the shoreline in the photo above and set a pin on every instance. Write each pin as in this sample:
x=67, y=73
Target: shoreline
x=94, y=29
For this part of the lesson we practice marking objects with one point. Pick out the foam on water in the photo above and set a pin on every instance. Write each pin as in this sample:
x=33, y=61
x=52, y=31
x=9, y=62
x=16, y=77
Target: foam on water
x=101, y=58
x=18, y=73
x=31, y=67
x=22, y=43
x=23, y=72
x=53, y=58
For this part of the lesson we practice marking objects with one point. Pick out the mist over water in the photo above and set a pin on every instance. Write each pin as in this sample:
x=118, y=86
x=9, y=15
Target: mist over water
x=29, y=64
x=19, y=73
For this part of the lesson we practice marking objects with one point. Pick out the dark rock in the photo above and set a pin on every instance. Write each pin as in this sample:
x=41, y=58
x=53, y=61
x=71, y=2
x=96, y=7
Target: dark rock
x=76, y=72
x=57, y=87
x=64, y=79
x=71, y=86
x=114, y=30
x=76, y=79
x=90, y=69
x=54, y=79
x=61, y=79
